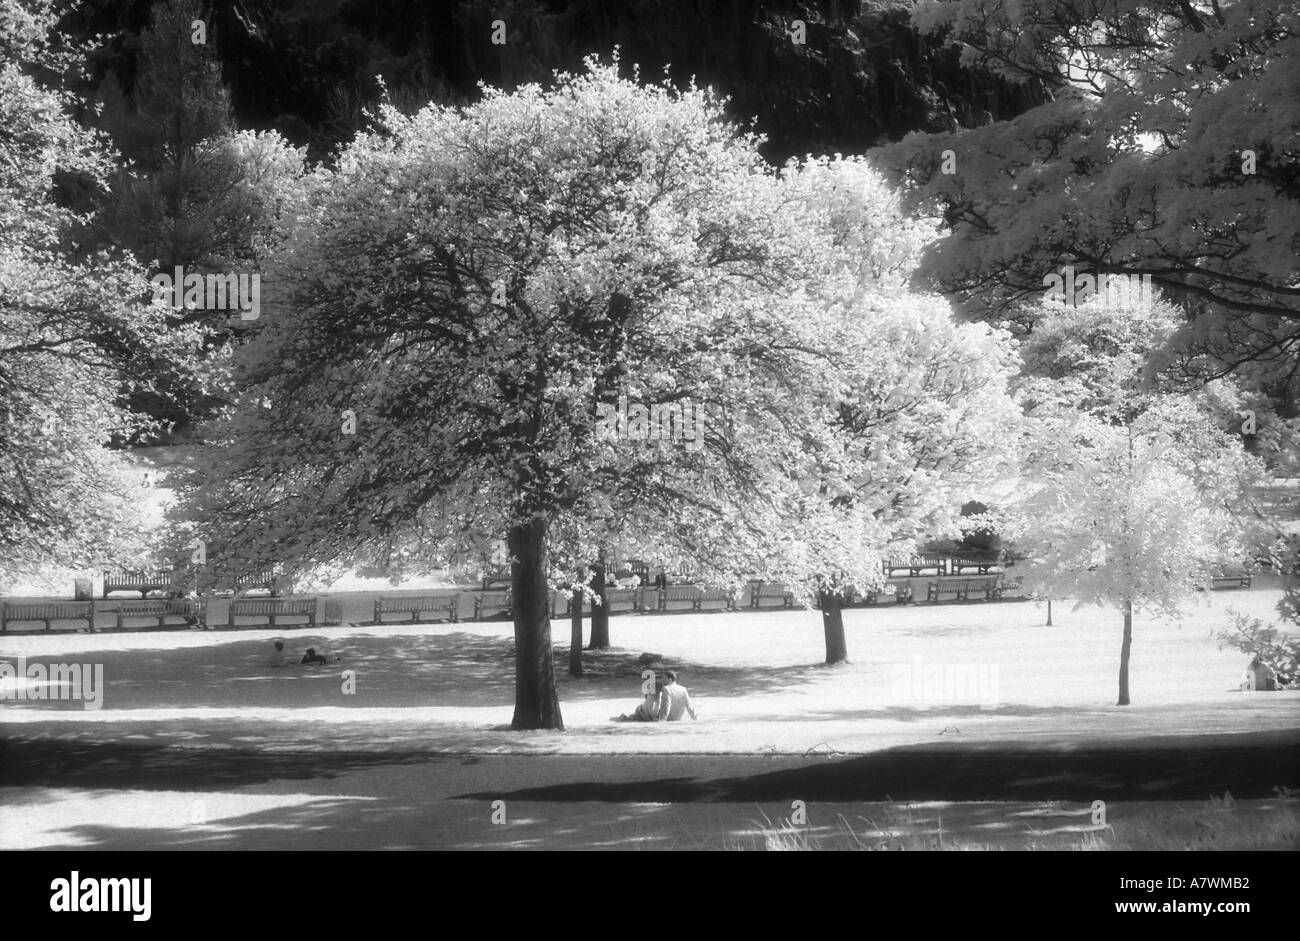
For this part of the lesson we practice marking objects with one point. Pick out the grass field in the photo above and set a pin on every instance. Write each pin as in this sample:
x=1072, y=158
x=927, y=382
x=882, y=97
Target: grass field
x=199, y=743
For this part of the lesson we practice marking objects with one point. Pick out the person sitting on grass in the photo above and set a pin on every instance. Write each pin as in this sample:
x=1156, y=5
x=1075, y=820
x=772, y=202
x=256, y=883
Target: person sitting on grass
x=648, y=710
x=674, y=701
x=311, y=657
x=277, y=658
x=1259, y=677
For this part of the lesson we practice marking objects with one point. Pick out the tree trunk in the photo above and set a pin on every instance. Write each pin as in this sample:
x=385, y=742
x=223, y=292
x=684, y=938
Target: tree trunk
x=837, y=650
x=575, y=634
x=537, y=702
x=1123, y=653
x=1049, y=612
x=599, y=612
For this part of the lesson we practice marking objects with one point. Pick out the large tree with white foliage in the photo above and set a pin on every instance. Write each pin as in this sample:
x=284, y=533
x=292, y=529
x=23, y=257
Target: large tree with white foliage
x=922, y=408
x=469, y=288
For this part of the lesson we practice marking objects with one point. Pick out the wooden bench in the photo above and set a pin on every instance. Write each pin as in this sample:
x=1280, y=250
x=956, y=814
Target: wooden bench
x=1229, y=581
x=678, y=594
x=159, y=609
x=963, y=588
x=275, y=608
x=496, y=575
x=771, y=591
x=47, y=612
x=955, y=566
x=625, y=599
x=447, y=607
x=497, y=602
x=143, y=582
x=915, y=566
x=273, y=581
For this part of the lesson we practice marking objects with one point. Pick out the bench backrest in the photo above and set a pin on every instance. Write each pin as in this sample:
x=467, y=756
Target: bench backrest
x=129, y=579
x=273, y=606
x=42, y=610
x=415, y=603
x=158, y=605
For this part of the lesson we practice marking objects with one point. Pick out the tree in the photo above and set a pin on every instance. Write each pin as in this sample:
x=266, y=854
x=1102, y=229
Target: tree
x=1166, y=149
x=922, y=403
x=68, y=321
x=1135, y=516
x=193, y=192
x=1132, y=492
x=471, y=288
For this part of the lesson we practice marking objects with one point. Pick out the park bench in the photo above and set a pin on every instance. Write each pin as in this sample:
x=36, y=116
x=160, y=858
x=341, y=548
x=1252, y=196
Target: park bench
x=638, y=568
x=677, y=595
x=269, y=579
x=771, y=591
x=47, y=612
x=625, y=599
x=497, y=602
x=446, y=607
x=1229, y=581
x=915, y=566
x=159, y=609
x=496, y=575
x=143, y=582
x=275, y=608
x=955, y=566
x=990, y=586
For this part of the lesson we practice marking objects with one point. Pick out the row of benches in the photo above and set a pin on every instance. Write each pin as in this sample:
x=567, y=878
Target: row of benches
x=165, y=580
x=316, y=611
x=920, y=566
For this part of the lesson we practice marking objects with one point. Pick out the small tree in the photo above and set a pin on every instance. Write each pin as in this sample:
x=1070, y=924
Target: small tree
x=1136, y=515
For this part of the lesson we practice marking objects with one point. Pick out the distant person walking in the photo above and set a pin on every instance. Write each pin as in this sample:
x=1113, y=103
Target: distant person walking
x=674, y=700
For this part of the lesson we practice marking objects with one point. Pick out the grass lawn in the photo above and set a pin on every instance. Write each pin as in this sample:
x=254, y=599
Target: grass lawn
x=953, y=726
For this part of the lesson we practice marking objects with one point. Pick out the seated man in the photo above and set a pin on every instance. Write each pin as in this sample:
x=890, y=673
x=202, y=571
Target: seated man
x=277, y=658
x=674, y=700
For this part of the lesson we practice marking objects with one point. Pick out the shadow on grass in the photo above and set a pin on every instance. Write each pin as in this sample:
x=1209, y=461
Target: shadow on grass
x=1249, y=765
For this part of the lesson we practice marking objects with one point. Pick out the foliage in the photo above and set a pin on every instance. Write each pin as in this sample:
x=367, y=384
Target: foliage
x=67, y=324
x=1273, y=648
x=1167, y=148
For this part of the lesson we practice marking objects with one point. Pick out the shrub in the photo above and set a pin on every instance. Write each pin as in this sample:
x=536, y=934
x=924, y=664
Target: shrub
x=1277, y=651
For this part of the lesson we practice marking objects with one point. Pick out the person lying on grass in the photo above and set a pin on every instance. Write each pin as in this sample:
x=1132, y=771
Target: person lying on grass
x=311, y=657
